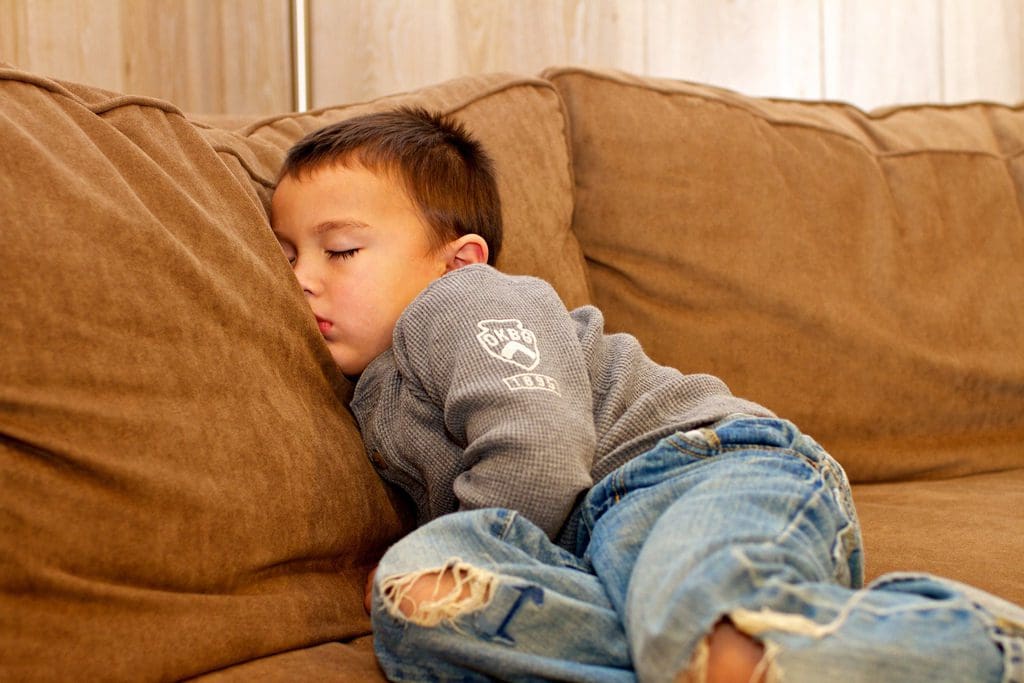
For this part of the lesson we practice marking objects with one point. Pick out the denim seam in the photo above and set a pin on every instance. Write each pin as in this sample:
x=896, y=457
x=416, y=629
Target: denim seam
x=507, y=525
x=693, y=447
x=825, y=493
x=825, y=476
x=707, y=451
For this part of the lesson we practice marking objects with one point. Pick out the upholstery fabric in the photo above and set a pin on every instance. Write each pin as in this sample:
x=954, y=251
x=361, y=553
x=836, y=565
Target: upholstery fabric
x=183, y=492
x=182, y=488
x=965, y=528
x=857, y=273
x=352, y=662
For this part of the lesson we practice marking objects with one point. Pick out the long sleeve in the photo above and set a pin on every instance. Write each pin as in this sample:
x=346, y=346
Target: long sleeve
x=493, y=395
x=502, y=359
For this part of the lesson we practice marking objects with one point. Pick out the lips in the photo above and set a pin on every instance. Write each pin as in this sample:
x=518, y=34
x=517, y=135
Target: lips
x=324, y=325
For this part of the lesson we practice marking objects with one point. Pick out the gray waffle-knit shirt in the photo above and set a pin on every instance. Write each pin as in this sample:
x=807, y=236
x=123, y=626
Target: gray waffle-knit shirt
x=494, y=395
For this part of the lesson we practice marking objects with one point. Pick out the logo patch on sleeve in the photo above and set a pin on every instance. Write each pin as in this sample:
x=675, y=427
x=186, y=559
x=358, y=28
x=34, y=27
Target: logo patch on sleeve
x=509, y=341
x=531, y=380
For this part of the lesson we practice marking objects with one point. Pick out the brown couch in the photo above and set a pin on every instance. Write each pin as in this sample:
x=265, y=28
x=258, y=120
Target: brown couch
x=182, y=491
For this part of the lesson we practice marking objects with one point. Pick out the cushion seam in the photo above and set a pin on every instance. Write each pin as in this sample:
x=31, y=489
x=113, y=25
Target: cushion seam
x=99, y=108
x=554, y=73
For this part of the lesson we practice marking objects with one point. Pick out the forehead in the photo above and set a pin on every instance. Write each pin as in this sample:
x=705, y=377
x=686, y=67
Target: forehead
x=335, y=189
x=340, y=199
x=351, y=164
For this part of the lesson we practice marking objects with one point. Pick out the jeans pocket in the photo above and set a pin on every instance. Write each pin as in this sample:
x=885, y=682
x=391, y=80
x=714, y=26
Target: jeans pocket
x=773, y=434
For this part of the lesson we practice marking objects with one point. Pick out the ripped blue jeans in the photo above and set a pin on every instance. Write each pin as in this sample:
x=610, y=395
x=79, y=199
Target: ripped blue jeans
x=748, y=520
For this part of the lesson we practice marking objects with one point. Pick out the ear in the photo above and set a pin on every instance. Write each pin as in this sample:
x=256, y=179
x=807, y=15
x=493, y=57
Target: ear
x=467, y=249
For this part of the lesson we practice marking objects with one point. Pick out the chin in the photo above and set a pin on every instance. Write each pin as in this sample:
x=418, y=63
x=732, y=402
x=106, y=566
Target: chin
x=350, y=369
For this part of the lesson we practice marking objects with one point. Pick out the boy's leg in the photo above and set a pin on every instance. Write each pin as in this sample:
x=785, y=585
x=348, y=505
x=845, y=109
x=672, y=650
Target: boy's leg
x=750, y=525
x=484, y=595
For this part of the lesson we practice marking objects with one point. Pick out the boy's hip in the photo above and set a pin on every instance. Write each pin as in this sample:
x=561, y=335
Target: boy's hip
x=773, y=452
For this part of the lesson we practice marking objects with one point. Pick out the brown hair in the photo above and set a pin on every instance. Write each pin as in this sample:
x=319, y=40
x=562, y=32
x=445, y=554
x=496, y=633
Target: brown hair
x=445, y=170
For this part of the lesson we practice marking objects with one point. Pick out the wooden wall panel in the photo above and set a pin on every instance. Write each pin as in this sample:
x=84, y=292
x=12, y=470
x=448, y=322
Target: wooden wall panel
x=76, y=41
x=361, y=48
x=365, y=48
x=880, y=53
x=541, y=33
x=759, y=47
x=983, y=50
x=206, y=56
x=380, y=46
x=233, y=56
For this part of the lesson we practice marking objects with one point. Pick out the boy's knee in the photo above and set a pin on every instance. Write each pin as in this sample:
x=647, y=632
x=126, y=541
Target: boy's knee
x=727, y=655
x=430, y=596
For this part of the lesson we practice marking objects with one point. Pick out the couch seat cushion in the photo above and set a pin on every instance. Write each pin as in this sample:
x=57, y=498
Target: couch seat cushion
x=968, y=529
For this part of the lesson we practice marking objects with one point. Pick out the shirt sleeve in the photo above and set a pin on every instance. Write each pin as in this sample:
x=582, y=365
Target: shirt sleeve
x=501, y=357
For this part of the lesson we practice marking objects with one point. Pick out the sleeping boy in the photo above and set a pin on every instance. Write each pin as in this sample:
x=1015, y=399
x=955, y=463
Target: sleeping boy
x=584, y=514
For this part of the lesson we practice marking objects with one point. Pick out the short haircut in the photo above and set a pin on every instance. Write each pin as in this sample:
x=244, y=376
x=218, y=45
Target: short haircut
x=446, y=172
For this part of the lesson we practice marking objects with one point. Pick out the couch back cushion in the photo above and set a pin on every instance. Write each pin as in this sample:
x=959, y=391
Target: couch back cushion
x=181, y=485
x=521, y=123
x=183, y=488
x=860, y=274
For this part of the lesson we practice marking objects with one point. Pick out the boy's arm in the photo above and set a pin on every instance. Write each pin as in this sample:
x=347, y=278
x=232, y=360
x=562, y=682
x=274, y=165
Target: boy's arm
x=502, y=358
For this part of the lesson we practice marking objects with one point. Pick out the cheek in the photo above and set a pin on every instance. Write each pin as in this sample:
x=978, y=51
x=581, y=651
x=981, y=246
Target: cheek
x=365, y=310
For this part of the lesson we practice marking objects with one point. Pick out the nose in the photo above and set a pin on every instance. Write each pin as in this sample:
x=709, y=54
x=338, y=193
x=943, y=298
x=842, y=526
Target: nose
x=308, y=276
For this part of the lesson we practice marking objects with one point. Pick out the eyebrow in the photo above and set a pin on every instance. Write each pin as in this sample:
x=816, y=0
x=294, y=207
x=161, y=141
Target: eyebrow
x=339, y=225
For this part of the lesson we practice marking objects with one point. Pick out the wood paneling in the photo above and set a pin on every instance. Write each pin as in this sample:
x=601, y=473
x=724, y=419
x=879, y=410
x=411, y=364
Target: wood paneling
x=365, y=48
x=219, y=56
x=233, y=56
x=759, y=47
x=983, y=50
x=76, y=41
x=361, y=48
x=879, y=53
x=869, y=52
x=380, y=46
x=209, y=56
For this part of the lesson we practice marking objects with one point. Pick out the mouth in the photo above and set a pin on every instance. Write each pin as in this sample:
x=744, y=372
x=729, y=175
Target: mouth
x=324, y=325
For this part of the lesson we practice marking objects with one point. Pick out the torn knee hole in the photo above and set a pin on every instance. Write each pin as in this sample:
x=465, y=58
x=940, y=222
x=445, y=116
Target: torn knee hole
x=431, y=596
x=729, y=655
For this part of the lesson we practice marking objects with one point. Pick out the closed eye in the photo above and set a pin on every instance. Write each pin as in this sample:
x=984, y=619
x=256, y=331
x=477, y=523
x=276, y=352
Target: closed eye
x=346, y=254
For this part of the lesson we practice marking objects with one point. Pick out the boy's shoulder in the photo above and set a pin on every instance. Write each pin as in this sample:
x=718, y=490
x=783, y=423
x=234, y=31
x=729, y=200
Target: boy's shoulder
x=465, y=305
x=482, y=272
x=483, y=288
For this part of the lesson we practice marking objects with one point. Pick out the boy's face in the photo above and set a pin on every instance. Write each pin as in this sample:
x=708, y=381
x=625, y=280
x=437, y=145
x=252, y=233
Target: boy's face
x=361, y=253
